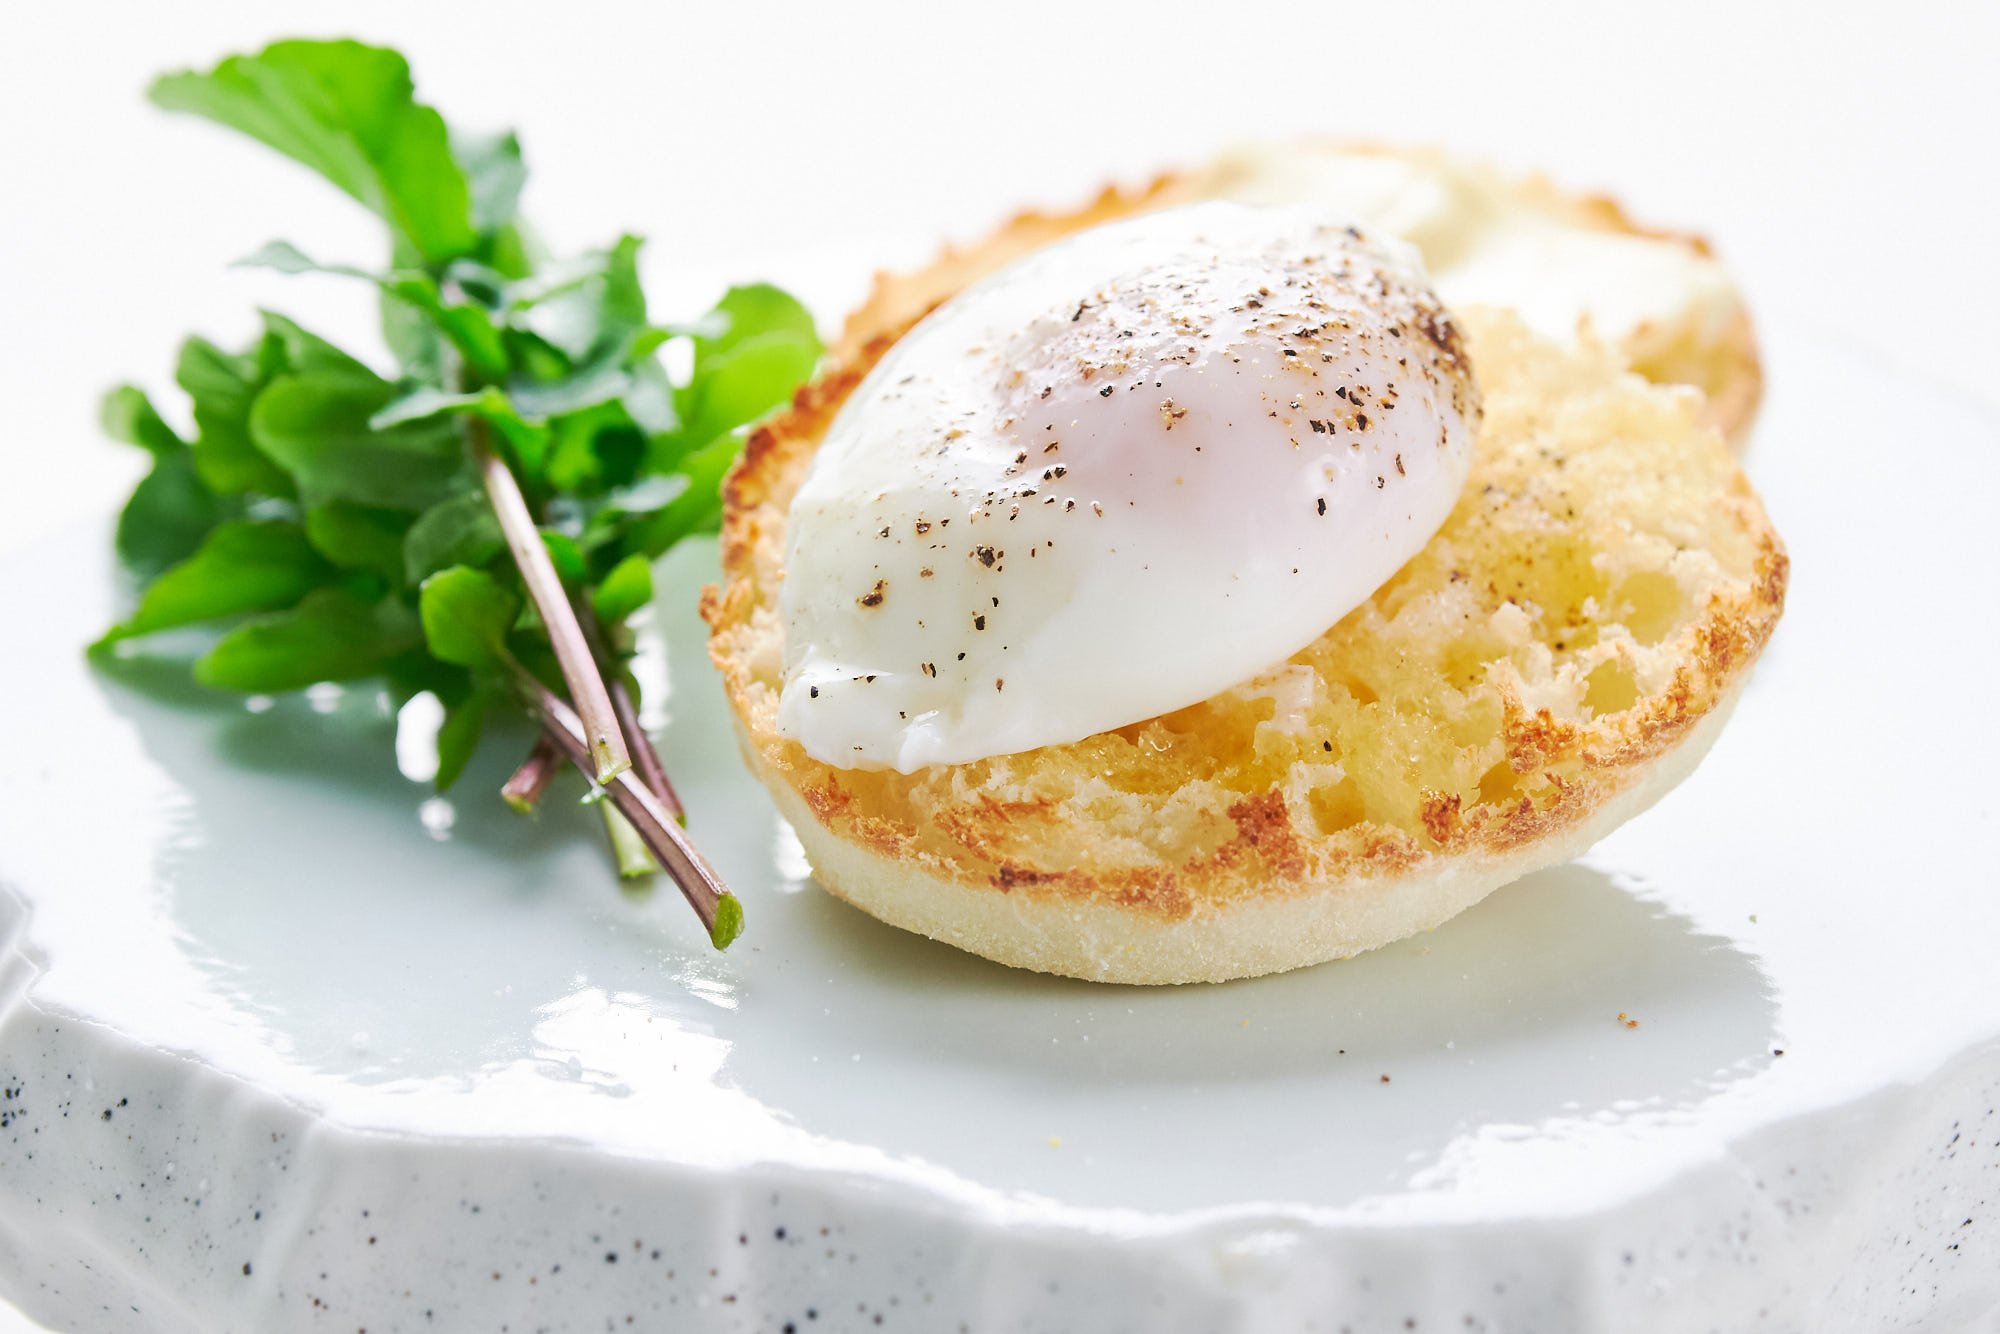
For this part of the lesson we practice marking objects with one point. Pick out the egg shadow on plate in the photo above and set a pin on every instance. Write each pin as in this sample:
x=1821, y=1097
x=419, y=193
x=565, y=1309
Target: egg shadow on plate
x=1570, y=993
x=1557, y=946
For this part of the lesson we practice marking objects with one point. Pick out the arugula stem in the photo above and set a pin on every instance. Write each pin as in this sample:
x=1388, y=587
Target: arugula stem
x=645, y=756
x=628, y=850
x=523, y=791
x=719, y=910
x=607, y=754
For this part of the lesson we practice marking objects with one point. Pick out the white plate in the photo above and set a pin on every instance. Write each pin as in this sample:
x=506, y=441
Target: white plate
x=286, y=1043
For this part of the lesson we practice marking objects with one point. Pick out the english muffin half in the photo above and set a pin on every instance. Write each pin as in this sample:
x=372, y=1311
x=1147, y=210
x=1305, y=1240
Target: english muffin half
x=1569, y=263
x=1558, y=655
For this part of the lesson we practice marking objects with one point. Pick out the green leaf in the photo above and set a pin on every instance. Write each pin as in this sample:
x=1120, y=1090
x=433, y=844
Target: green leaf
x=347, y=111
x=534, y=654
x=744, y=382
x=650, y=400
x=460, y=531
x=240, y=567
x=413, y=337
x=317, y=427
x=466, y=615
x=752, y=350
x=359, y=537
x=332, y=635
x=748, y=311
x=413, y=673
x=297, y=349
x=424, y=401
x=566, y=556
x=285, y=257
x=482, y=283
x=472, y=331
x=468, y=326
x=591, y=387
x=627, y=588
x=495, y=173
x=588, y=308
x=530, y=440
x=514, y=253
x=167, y=516
x=535, y=361
x=650, y=492
x=594, y=449
x=698, y=509
x=223, y=388
x=458, y=736
x=171, y=510
x=128, y=415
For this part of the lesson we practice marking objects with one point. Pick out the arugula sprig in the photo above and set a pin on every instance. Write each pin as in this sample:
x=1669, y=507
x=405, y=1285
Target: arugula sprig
x=479, y=521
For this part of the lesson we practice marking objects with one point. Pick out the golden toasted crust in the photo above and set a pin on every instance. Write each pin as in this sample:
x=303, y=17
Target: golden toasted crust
x=1557, y=656
x=1104, y=939
x=1717, y=356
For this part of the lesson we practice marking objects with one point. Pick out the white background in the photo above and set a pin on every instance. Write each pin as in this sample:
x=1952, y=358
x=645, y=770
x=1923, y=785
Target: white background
x=1842, y=157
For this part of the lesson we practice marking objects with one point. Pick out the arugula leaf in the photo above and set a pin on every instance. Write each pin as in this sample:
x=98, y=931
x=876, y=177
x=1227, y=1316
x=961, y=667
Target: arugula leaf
x=357, y=518
x=333, y=634
x=240, y=567
x=466, y=616
x=627, y=588
x=168, y=514
x=529, y=439
x=746, y=312
x=284, y=257
x=128, y=415
x=494, y=174
x=291, y=347
x=171, y=509
x=358, y=537
x=592, y=387
x=316, y=426
x=413, y=338
x=223, y=387
x=752, y=350
x=595, y=449
x=746, y=380
x=697, y=508
x=458, y=736
x=459, y=531
x=566, y=556
x=226, y=386
x=588, y=308
x=651, y=399
x=468, y=326
x=349, y=112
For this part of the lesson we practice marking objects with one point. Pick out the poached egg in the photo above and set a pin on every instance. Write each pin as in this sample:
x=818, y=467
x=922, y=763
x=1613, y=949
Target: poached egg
x=1488, y=241
x=1135, y=468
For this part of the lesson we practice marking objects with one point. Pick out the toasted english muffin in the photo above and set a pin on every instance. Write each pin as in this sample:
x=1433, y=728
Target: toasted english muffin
x=1565, y=260
x=1559, y=655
